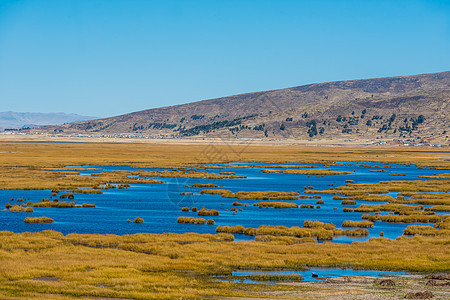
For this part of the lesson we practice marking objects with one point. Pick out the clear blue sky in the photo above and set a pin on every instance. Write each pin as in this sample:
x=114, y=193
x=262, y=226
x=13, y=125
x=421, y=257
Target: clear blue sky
x=111, y=57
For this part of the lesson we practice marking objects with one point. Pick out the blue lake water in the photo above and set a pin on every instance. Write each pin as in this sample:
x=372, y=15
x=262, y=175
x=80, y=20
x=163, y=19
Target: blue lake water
x=322, y=273
x=160, y=204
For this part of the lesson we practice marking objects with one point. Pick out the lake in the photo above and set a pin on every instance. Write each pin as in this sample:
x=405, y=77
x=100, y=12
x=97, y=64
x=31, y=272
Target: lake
x=160, y=204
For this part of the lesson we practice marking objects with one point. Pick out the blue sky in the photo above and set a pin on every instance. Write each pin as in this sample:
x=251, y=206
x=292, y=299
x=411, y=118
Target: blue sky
x=111, y=57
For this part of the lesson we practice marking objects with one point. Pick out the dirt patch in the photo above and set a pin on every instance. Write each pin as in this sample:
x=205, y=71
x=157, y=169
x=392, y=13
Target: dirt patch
x=46, y=278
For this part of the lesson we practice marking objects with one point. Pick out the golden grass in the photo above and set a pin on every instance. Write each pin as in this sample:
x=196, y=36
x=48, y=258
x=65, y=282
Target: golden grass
x=184, y=265
x=438, y=208
x=204, y=184
x=191, y=220
x=264, y=195
x=276, y=204
x=320, y=231
x=361, y=224
x=413, y=218
x=19, y=209
x=348, y=202
x=38, y=220
x=62, y=204
x=306, y=206
x=208, y=212
x=443, y=176
x=425, y=230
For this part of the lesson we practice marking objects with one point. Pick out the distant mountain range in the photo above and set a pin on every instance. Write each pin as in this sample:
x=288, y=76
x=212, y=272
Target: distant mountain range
x=394, y=107
x=15, y=120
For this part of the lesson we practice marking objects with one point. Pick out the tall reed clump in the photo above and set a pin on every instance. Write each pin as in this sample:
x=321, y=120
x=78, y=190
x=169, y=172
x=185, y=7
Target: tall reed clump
x=208, y=212
x=204, y=185
x=306, y=206
x=19, y=209
x=191, y=220
x=348, y=202
x=276, y=204
x=62, y=204
x=413, y=218
x=215, y=192
x=361, y=224
x=138, y=220
x=438, y=208
x=425, y=230
x=185, y=209
x=38, y=220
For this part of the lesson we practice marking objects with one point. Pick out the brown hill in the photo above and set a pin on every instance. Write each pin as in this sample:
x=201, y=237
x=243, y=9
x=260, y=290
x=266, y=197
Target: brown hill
x=394, y=107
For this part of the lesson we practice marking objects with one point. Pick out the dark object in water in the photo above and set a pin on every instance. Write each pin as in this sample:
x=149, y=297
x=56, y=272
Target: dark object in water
x=315, y=275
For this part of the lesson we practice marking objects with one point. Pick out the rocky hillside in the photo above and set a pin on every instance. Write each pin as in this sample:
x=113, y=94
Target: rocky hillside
x=394, y=107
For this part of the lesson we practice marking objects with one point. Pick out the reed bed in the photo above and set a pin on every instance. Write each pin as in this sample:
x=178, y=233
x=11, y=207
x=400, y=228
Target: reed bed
x=215, y=192
x=425, y=230
x=276, y=204
x=361, y=224
x=284, y=240
x=20, y=209
x=438, y=208
x=413, y=218
x=38, y=220
x=320, y=231
x=204, y=185
x=62, y=204
x=185, y=265
x=138, y=220
x=348, y=202
x=308, y=206
x=191, y=220
x=441, y=176
x=265, y=195
x=390, y=207
x=208, y=212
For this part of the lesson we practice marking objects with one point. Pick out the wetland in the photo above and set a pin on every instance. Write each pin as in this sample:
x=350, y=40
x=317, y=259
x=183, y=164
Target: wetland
x=234, y=224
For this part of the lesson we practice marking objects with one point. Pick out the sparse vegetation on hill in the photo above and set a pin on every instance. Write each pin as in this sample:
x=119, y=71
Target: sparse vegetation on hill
x=410, y=108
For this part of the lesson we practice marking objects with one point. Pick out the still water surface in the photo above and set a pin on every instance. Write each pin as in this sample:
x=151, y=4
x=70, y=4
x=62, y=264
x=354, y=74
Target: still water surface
x=160, y=204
